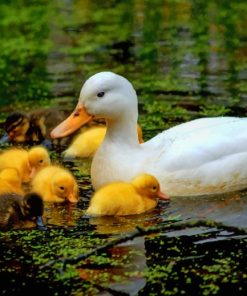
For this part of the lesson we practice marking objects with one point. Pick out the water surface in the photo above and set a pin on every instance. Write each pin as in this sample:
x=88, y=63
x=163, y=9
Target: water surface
x=186, y=59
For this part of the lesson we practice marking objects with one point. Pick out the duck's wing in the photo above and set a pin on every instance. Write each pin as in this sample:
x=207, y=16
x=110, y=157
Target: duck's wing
x=199, y=142
x=183, y=130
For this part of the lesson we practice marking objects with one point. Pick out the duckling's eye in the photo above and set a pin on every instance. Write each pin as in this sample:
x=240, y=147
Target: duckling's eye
x=100, y=94
x=41, y=161
x=61, y=187
x=154, y=188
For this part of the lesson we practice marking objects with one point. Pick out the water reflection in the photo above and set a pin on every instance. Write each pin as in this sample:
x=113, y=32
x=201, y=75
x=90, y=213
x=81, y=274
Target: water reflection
x=126, y=273
x=62, y=214
x=122, y=224
x=227, y=208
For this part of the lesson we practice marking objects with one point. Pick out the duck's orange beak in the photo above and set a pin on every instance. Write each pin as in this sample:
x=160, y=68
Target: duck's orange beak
x=78, y=117
x=162, y=195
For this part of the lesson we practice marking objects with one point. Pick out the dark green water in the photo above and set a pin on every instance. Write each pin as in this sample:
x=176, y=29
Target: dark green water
x=186, y=59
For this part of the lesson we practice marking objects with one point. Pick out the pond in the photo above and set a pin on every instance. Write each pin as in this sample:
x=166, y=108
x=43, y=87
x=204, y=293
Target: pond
x=186, y=59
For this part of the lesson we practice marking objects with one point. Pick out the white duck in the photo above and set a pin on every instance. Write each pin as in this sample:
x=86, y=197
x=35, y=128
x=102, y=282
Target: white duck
x=203, y=156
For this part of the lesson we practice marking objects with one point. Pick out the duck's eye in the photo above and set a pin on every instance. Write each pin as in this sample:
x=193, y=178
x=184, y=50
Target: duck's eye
x=61, y=187
x=154, y=188
x=100, y=94
x=41, y=161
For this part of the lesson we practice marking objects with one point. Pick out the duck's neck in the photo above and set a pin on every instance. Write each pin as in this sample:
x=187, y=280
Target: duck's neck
x=123, y=130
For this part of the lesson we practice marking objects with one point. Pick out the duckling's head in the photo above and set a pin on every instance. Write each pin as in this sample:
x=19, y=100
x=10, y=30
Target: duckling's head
x=65, y=187
x=32, y=205
x=105, y=95
x=148, y=185
x=38, y=159
x=33, y=208
x=16, y=126
x=12, y=176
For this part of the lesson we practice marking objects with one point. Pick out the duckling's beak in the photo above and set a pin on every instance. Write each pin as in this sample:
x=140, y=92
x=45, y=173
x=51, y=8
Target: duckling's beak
x=163, y=196
x=78, y=117
x=33, y=173
x=4, y=139
x=72, y=198
x=39, y=222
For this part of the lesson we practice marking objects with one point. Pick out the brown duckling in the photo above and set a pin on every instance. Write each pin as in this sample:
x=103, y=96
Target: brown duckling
x=10, y=181
x=32, y=127
x=17, y=211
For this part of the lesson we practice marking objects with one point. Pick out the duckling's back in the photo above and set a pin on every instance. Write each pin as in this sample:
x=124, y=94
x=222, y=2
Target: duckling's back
x=9, y=210
x=16, y=158
x=10, y=181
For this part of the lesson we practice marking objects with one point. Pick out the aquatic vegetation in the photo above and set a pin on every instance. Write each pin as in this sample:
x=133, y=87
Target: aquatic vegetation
x=24, y=46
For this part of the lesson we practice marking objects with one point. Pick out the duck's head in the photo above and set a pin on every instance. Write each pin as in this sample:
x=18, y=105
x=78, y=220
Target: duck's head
x=38, y=159
x=148, y=185
x=105, y=95
x=65, y=187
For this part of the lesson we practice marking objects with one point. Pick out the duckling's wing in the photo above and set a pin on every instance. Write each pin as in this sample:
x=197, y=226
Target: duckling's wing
x=5, y=217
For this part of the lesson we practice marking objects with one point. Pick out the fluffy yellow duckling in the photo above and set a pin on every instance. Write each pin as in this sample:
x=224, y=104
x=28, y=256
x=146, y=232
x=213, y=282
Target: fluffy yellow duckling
x=38, y=159
x=122, y=198
x=26, y=162
x=56, y=184
x=10, y=181
x=88, y=141
x=17, y=211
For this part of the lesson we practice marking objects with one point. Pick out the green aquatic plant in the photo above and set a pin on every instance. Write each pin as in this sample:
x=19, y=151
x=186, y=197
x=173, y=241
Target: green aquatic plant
x=160, y=115
x=23, y=50
x=213, y=110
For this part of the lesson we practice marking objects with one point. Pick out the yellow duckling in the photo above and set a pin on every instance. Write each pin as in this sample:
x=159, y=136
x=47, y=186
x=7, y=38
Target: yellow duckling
x=38, y=159
x=56, y=184
x=10, y=181
x=122, y=198
x=17, y=211
x=26, y=162
x=88, y=141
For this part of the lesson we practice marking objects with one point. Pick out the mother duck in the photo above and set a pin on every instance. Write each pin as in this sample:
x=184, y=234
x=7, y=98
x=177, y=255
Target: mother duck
x=202, y=156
